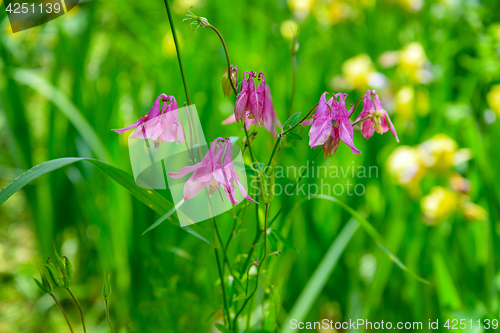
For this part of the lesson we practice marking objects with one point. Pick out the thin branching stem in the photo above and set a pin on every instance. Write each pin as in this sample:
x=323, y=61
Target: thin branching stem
x=79, y=308
x=227, y=58
x=62, y=311
x=176, y=42
x=221, y=275
x=106, y=308
x=294, y=79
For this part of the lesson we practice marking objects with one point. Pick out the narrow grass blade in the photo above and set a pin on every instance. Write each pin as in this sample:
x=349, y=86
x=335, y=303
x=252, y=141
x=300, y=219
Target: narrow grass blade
x=320, y=276
x=149, y=197
x=373, y=233
x=64, y=104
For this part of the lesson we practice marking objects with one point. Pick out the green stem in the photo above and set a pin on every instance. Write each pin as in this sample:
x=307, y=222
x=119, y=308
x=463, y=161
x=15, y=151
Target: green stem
x=278, y=141
x=176, y=42
x=79, y=308
x=221, y=276
x=303, y=119
x=360, y=120
x=294, y=60
x=62, y=311
x=226, y=260
x=106, y=308
x=254, y=243
x=259, y=265
x=227, y=58
x=249, y=145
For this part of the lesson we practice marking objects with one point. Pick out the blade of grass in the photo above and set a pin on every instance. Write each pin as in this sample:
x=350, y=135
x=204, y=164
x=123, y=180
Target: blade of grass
x=149, y=197
x=63, y=103
x=320, y=276
x=373, y=233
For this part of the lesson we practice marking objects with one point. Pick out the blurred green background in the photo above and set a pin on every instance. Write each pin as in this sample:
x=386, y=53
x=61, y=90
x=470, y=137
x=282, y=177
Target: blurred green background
x=436, y=199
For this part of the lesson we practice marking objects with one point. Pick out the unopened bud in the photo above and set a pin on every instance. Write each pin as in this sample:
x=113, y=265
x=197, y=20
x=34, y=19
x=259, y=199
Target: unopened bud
x=106, y=289
x=56, y=278
x=294, y=47
x=45, y=284
x=58, y=259
x=68, y=269
x=227, y=88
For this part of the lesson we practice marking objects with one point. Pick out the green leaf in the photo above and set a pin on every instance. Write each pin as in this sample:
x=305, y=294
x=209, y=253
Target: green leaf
x=320, y=276
x=222, y=328
x=446, y=291
x=64, y=104
x=285, y=241
x=373, y=233
x=294, y=135
x=292, y=121
x=149, y=197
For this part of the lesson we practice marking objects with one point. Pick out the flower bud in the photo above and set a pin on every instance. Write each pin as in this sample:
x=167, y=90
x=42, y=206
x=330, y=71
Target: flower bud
x=45, y=284
x=227, y=88
x=106, y=289
x=56, y=278
x=58, y=259
x=68, y=269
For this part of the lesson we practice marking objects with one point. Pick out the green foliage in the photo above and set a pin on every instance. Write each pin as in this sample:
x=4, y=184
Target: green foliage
x=65, y=84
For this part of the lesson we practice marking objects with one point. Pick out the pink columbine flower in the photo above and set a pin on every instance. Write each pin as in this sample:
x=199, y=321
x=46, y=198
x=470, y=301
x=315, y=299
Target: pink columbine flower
x=378, y=117
x=331, y=125
x=255, y=105
x=322, y=123
x=160, y=126
x=215, y=170
x=269, y=116
x=247, y=89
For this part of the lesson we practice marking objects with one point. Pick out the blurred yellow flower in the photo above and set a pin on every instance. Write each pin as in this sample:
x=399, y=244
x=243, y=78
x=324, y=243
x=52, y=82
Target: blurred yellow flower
x=438, y=205
x=405, y=165
x=168, y=45
x=474, y=212
x=357, y=70
x=338, y=11
x=301, y=8
x=422, y=101
x=180, y=6
x=493, y=98
x=404, y=102
x=438, y=152
x=288, y=29
x=413, y=5
x=412, y=57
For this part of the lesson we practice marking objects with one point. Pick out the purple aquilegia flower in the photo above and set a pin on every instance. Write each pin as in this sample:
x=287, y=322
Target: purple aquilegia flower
x=255, y=105
x=215, y=170
x=378, y=119
x=242, y=105
x=331, y=125
x=322, y=123
x=269, y=116
x=160, y=126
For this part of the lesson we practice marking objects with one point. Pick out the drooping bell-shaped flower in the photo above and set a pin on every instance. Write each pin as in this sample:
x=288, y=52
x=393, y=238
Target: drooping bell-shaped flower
x=322, y=123
x=341, y=118
x=215, y=170
x=331, y=125
x=269, y=116
x=378, y=118
x=242, y=105
x=158, y=125
x=257, y=100
x=255, y=105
